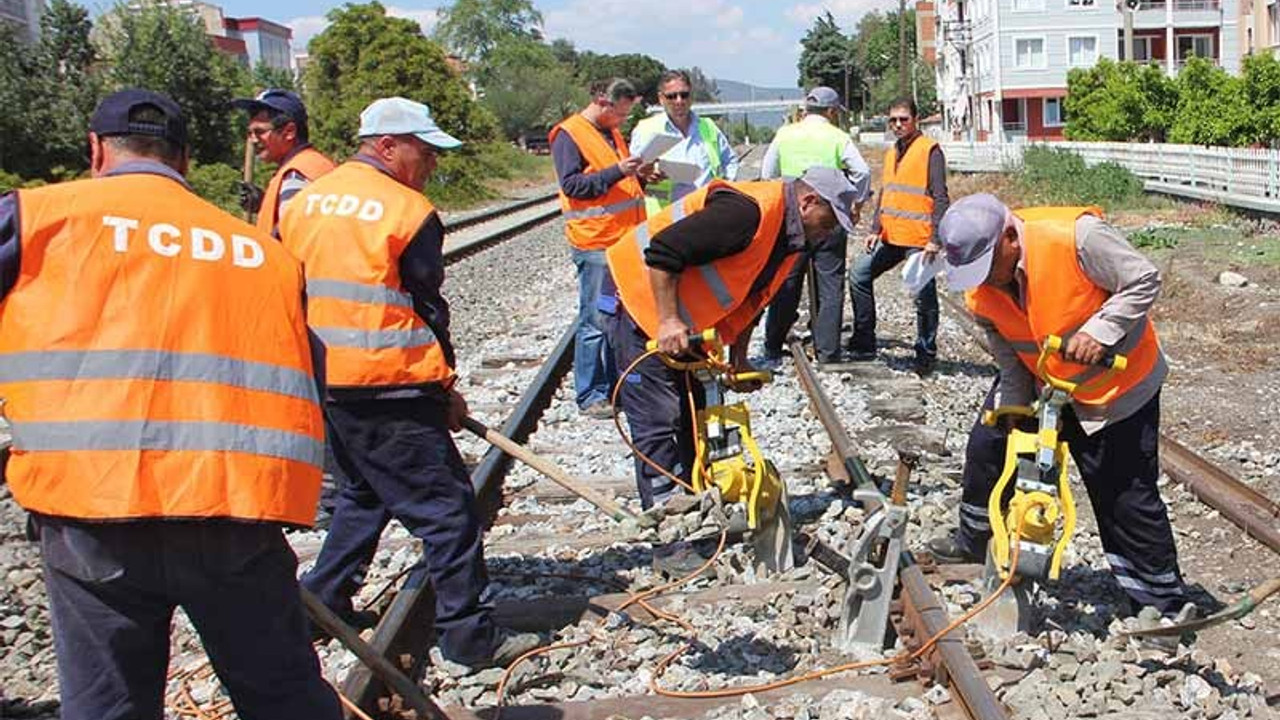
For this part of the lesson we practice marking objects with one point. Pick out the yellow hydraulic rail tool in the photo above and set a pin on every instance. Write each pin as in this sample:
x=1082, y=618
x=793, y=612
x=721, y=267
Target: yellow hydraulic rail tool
x=1036, y=462
x=728, y=462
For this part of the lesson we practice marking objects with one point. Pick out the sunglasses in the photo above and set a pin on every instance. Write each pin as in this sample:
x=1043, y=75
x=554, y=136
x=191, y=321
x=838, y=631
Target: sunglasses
x=899, y=120
x=681, y=94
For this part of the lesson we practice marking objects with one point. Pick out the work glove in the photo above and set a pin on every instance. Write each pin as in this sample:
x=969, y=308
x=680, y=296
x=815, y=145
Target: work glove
x=250, y=196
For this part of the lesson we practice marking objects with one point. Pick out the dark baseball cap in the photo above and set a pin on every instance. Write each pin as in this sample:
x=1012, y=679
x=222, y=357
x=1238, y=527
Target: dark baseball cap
x=112, y=116
x=275, y=99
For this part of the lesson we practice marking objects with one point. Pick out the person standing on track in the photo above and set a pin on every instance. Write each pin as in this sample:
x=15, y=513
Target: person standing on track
x=278, y=130
x=815, y=141
x=1063, y=271
x=371, y=244
x=702, y=143
x=711, y=260
x=158, y=374
x=601, y=198
x=913, y=199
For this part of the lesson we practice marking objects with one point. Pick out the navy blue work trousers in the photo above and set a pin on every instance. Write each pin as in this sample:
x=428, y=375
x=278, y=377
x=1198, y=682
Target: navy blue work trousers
x=112, y=591
x=400, y=462
x=828, y=265
x=656, y=400
x=862, y=294
x=1119, y=465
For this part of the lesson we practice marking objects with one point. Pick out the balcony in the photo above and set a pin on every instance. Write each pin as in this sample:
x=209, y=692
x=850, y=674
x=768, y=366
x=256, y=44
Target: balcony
x=1180, y=5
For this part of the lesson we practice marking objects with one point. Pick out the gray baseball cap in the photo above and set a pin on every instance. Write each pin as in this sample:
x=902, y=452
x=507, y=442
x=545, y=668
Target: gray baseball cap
x=832, y=186
x=823, y=97
x=969, y=232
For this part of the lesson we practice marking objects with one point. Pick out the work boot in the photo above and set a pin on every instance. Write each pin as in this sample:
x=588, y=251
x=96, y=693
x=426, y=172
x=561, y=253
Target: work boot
x=924, y=365
x=601, y=410
x=845, y=361
x=1151, y=617
x=770, y=362
x=509, y=646
x=946, y=551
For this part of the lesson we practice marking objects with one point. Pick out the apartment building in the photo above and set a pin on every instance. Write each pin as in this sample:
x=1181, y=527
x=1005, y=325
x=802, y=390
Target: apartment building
x=249, y=40
x=1003, y=64
x=23, y=15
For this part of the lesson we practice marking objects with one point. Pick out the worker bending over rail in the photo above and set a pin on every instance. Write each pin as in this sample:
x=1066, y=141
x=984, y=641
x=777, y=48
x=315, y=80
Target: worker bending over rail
x=1063, y=271
x=371, y=244
x=156, y=368
x=712, y=260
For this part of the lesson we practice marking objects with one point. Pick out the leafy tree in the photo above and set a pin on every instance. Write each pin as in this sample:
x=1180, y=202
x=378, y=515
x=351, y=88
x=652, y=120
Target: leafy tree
x=364, y=55
x=163, y=48
x=826, y=56
x=1260, y=76
x=528, y=89
x=564, y=52
x=265, y=76
x=642, y=70
x=1212, y=108
x=704, y=88
x=16, y=131
x=473, y=29
x=1119, y=101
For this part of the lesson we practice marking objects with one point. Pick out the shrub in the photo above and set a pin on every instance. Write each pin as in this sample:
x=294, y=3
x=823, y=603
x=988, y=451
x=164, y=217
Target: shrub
x=1050, y=176
x=216, y=182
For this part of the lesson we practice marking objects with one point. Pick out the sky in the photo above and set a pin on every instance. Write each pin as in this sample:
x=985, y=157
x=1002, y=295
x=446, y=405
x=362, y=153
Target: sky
x=755, y=41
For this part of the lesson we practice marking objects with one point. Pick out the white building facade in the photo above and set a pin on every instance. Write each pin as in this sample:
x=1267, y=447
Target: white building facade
x=24, y=15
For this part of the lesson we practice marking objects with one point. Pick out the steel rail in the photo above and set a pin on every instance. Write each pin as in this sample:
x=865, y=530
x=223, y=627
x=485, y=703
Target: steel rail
x=470, y=247
x=405, y=632
x=1249, y=509
x=967, y=684
x=495, y=213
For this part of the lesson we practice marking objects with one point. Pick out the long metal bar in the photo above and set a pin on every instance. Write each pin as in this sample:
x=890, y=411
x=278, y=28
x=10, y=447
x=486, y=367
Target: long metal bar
x=1249, y=509
x=968, y=685
x=484, y=217
x=405, y=631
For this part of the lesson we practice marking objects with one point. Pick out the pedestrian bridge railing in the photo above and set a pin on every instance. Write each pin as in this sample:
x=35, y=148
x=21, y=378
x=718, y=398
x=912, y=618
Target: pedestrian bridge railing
x=1242, y=177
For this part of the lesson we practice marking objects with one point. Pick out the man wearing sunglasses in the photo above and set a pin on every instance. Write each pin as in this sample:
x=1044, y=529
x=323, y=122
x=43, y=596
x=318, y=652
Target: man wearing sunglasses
x=702, y=143
x=913, y=199
x=815, y=141
x=278, y=131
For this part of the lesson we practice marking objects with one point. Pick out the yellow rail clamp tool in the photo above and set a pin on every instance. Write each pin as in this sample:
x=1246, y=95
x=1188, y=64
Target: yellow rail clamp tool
x=1036, y=464
x=728, y=462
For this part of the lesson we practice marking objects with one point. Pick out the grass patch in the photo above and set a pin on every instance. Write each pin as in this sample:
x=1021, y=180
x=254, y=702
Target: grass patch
x=477, y=172
x=1050, y=176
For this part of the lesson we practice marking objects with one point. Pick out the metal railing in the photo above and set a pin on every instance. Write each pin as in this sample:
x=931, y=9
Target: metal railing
x=1242, y=177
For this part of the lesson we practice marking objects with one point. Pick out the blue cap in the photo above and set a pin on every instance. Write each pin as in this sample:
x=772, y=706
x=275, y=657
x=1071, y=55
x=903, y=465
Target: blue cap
x=112, y=116
x=277, y=100
x=401, y=116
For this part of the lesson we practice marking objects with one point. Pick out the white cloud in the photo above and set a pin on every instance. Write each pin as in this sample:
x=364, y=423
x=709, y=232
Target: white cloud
x=308, y=26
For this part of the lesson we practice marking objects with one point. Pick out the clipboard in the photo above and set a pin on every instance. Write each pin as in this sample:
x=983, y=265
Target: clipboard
x=657, y=145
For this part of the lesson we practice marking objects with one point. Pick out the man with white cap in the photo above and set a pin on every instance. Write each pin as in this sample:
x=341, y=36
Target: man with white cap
x=1063, y=271
x=711, y=260
x=815, y=141
x=371, y=245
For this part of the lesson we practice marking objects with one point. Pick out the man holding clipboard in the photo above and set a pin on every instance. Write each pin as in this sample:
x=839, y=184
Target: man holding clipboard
x=693, y=150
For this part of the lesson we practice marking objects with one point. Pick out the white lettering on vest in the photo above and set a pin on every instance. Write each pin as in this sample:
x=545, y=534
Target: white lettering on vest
x=346, y=206
x=328, y=204
x=156, y=239
x=311, y=203
x=207, y=245
x=371, y=211
x=246, y=252
x=121, y=226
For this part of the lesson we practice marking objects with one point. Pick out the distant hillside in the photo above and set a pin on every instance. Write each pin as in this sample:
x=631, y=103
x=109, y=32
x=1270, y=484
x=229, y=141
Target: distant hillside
x=734, y=91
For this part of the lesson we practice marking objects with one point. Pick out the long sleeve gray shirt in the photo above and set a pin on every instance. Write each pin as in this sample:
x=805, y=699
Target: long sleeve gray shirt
x=1111, y=263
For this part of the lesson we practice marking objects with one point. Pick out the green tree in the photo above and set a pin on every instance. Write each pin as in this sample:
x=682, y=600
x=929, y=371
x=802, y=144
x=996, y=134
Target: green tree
x=1260, y=76
x=704, y=88
x=473, y=29
x=17, y=139
x=528, y=89
x=163, y=48
x=642, y=70
x=265, y=76
x=1119, y=101
x=826, y=56
x=1212, y=107
x=364, y=55
x=564, y=52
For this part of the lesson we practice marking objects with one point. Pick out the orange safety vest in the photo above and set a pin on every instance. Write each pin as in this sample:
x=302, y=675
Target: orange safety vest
x=349, y=229
x=717, y=294
x=1060, y=299
x=311, y=163
x=154, y=360
x=597, y=223
x=906, y=209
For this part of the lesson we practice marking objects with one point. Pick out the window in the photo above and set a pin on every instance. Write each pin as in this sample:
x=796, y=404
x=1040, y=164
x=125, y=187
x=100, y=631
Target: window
x=1053, y=114
x=1081, y=3
x=1027, y=5
x=1082, y=51
x=1141, y=49
x=1197, y=45
x=1028, y=53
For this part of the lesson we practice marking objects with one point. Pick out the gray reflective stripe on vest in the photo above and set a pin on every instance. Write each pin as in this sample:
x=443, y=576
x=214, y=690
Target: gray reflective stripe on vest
x=375, y=339
x=679, y=212
x=685, y=317
x=73, y=365
x=171, y=435
x=602, y=210
x=711, y=276
x=909, y=215
x=905, y=189
x=642, y=238
x=358, y=292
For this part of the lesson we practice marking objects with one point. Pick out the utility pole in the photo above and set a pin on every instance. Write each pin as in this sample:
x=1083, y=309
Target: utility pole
x=902, y=46
x=1127, y=7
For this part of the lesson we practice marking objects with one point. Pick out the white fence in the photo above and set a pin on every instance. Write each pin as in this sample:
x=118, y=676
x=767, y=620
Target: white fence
x=1242, y=177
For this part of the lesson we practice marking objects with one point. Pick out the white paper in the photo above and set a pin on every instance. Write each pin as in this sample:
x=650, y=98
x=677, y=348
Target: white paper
x=916, y=273
x=657, y=145
x=681, y=172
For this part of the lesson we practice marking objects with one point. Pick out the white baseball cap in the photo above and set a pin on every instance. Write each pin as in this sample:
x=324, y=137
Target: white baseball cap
x=401, y=116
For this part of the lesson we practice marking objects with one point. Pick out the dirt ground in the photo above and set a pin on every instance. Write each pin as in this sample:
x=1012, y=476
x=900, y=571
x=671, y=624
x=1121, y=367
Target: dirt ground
x=1221, y=396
